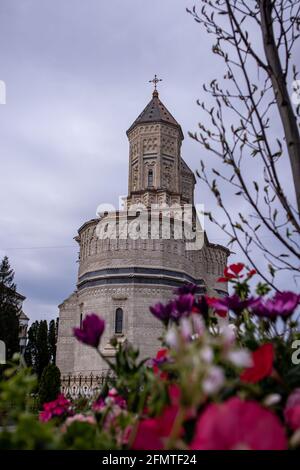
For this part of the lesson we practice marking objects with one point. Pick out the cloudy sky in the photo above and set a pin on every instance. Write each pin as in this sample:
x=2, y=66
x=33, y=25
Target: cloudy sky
x=77, y=76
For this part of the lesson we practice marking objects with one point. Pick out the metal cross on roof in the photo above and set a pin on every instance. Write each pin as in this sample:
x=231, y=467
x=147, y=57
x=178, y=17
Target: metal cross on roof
x=155, y=80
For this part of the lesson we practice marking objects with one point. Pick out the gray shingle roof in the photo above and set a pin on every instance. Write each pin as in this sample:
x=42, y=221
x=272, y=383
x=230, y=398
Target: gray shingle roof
x=155, y=111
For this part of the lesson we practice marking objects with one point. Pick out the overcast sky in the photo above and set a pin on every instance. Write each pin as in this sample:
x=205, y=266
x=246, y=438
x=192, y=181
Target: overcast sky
x=77, y=76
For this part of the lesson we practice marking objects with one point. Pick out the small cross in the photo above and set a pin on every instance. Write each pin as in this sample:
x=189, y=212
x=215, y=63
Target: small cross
x=155, y=80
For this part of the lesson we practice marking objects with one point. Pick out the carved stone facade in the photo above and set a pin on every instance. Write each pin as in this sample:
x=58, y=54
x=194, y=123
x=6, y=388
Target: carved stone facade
x=120, y=277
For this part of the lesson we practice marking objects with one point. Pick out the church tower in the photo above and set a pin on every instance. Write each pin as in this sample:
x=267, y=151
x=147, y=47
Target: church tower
x=157, y=173
x=120, y=277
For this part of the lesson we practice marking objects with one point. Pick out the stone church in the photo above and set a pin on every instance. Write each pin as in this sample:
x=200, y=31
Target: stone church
x=120, y=277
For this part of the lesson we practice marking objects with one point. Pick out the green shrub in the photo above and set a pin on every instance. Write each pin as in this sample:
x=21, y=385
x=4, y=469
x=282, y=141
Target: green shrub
x=49, y=387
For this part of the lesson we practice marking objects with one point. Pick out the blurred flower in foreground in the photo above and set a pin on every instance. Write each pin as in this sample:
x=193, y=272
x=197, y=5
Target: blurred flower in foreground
x=281, y=305
x=292, y=410
x=262, y=366
x=91, y=331
x=233, y=303
x=238, y=425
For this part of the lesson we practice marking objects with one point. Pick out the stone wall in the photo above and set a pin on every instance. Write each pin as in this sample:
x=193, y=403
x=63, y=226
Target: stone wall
x=155, y=262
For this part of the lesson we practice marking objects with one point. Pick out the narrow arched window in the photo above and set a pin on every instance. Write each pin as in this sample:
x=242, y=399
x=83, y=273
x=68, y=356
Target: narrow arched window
x=150, y=178
x=119, y=321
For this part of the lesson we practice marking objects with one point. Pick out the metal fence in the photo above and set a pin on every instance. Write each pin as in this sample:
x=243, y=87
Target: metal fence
x=76, y=386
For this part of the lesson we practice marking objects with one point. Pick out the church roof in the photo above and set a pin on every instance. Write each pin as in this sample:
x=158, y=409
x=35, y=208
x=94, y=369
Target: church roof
x=155, y=111
x=186, y=168
x=23, y=316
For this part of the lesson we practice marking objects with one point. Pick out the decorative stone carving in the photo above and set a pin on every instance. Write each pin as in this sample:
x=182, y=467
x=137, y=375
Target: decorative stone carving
x=134, y=150
x=169, y=146
x=150, y=145
x=135, y=177
x=168, y=175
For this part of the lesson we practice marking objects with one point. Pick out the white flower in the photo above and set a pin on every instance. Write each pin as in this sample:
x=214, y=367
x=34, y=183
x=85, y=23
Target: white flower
x=295, y=439
x=213, y=381
x=186, y=328
x=272, y=399
x=198, y=324
x=171, y=337
x=206, y=354
x=228, y=334
x=240, y=358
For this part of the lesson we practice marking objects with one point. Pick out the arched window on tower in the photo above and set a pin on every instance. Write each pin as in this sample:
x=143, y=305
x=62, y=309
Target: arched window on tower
x=150, y=178
x=119, y=321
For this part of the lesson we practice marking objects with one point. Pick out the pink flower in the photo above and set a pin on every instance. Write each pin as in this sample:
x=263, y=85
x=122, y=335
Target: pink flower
x=153, y=432
x=91, y=331
x=112, y=398
x=262, y=359
x=174, y=393
x=58, y=411
x=99, y=404
x=292, y=410
x=45, y=416
x=59, y=407
x=237, y=424
x=81, y=419
x=283, y=305
x=116, y=398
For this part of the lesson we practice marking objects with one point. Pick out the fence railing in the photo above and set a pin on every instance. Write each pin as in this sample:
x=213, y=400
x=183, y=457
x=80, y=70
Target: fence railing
x=76, y=386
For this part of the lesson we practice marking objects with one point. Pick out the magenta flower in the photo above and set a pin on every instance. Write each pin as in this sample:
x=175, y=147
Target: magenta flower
x=237, y=424
x=186, y=289
x=292, y=410
x=99, y=404
x=283, y=305
x=152, y=433
x=91, y=331
x=233, y=303
x=163, y=312
x=57, y=408
x=174, y=310
x=183, y=306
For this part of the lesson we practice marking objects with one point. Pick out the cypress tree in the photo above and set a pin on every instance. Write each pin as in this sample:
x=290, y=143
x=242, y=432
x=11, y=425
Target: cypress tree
x=31, y=351
x=43, y=356
x=52, y=340
x=49, y=384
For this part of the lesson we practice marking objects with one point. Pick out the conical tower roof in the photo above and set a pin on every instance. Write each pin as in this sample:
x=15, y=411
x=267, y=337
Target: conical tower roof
x=155, y=112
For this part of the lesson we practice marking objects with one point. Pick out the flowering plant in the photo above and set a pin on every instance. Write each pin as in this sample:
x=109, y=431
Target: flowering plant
x=225, y=378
